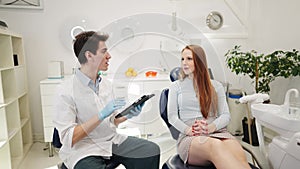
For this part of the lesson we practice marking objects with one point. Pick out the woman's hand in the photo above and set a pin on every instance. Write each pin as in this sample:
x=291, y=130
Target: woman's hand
x=200, y=128
x=189, y=131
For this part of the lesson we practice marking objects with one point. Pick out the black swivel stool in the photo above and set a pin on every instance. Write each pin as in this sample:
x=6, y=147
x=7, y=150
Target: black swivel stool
x=57, y=144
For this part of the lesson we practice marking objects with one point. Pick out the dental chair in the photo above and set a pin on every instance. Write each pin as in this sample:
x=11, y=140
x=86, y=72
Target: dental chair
x=175, y=162
x=57, y=144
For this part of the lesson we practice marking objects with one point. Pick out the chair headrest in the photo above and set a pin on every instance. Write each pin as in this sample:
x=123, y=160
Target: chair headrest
x=174, y=74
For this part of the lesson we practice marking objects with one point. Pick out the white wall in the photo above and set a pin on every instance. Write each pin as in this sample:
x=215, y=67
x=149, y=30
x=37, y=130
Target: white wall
x=272, y=30
x=271, y=25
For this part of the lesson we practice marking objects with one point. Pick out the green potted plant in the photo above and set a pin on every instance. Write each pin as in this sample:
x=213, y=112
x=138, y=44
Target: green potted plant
x=263, y=69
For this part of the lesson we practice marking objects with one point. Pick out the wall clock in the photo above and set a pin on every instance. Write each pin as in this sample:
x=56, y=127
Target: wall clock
x=214, y=20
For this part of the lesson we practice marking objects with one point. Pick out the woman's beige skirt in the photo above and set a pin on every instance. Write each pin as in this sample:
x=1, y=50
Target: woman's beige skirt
x=184, y=142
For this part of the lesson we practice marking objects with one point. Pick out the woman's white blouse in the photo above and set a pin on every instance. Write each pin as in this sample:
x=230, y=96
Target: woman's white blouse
x=183, y=105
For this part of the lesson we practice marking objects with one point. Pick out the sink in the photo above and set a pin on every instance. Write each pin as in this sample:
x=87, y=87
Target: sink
x=276, y=118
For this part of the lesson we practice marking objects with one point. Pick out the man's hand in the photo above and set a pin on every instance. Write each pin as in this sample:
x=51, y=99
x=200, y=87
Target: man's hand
x=110, y=108
x=119, y=120
x=136, y=111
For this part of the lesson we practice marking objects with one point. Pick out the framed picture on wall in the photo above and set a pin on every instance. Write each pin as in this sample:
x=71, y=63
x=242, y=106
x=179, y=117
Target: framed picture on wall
x=22, y=4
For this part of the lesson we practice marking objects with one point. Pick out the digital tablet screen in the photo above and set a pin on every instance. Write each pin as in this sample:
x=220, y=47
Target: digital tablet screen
x=141, y=100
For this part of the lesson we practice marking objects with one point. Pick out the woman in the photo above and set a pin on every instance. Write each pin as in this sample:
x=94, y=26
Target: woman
x=197, y=107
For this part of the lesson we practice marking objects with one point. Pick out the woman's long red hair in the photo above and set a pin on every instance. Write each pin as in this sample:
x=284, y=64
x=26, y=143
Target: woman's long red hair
x=204, y=89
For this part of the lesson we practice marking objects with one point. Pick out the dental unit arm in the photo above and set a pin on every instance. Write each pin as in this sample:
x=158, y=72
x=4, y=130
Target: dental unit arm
x=257, y=98
x=254, y=98
x=286, y=104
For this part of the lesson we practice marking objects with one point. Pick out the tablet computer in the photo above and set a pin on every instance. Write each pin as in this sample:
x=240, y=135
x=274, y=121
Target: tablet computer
x=141, y=100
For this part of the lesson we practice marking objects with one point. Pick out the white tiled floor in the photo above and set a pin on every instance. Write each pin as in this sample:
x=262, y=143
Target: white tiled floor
x=38, y=158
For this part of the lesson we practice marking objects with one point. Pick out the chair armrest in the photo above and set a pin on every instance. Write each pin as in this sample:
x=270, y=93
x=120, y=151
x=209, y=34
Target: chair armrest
x=256, y=154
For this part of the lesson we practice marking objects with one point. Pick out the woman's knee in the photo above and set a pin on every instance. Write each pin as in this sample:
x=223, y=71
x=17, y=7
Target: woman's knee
x=209, y=149
x=233, y=144
x=215, y=142
x=216, y=146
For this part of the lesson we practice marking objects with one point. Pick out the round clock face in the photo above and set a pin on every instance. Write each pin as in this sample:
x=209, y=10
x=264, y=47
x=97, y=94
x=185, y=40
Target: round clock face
x=214, y=20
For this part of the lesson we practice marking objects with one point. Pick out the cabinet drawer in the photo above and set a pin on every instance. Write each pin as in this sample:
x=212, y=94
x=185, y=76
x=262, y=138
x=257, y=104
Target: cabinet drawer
x=48, y=113
x=48, y=89
x=48, y=134
x=48, y=110
x=48, y=121
x=47, y=100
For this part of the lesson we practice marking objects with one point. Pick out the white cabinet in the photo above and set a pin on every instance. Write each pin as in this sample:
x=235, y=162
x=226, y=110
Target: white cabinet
x=15, y=123
x=48, y=90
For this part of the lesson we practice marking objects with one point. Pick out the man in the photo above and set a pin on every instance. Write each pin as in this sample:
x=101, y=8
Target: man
x=85, y=115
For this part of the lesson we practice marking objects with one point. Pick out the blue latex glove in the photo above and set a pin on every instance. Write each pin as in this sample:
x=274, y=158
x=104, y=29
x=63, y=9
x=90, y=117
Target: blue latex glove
x=136, y=111
x=110, y=108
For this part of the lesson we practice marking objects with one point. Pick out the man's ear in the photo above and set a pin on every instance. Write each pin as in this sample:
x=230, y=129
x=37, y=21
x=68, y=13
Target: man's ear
x=88, y=55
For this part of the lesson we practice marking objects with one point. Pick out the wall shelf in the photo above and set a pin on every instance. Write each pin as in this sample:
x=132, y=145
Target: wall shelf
x=15, y=123
x=37, y=4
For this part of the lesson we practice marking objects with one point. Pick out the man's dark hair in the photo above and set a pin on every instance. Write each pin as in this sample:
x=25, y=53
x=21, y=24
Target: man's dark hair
x=87, y=41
